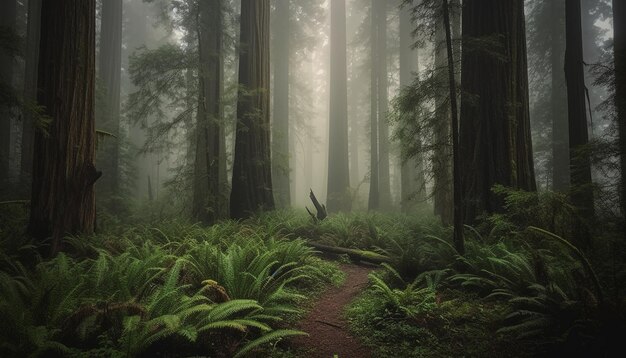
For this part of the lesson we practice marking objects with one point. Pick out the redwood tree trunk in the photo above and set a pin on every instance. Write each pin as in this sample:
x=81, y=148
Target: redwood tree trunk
x=580, y=164
x=373, y=202
x=280, y=125
x=558, y=101
x=495, y=142
x=252, y=168
x=64, y=173
x=384, y=182
x=207, y=199
x=338, y=196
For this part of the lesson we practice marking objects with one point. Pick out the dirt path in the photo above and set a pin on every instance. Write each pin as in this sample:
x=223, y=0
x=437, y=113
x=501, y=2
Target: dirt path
x=328, y=331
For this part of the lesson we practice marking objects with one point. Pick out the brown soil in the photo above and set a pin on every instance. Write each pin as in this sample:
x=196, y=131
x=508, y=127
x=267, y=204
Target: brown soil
x=327, y=328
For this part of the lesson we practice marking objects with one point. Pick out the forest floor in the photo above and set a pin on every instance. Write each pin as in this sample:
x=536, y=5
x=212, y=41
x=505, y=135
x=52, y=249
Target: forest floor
x=328, y=329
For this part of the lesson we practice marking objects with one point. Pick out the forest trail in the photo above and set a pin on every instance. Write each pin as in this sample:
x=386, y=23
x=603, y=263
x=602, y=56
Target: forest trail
x=328, y=330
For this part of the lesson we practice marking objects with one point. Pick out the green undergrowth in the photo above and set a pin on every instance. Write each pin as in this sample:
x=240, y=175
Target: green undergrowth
x=522, y=288
x=176, y=289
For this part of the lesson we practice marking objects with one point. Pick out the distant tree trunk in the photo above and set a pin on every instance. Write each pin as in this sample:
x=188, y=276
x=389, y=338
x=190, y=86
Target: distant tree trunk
x=558, y=102
x=495, y=143
x=442, y=158
x=109, y=73
x=30, y=87
x=619, y=43
x=8, y=16
x=64, y=173
x=580, y=164
x=207, y=204
x=338, y=195
x=459, y=241
x=412, y=171
x=384, y=182
x=252, y=168
x=374, y=202
x=280, y=126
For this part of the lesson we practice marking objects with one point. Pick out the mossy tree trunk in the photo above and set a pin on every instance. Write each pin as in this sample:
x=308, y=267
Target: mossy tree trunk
x=252, y=168
x=63, y=200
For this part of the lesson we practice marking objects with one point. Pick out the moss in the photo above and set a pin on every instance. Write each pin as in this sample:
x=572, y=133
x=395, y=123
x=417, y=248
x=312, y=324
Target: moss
x=460, y=325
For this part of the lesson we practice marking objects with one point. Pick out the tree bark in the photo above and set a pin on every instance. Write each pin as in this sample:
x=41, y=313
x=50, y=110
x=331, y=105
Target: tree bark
x=338, y=194
x=495, y=142
x=619, y=43
x=373, y=202
x=558, y=101
x=280, y=126
x=207, y=200
x=580, y=165
x=63, y=200
x=252, y=173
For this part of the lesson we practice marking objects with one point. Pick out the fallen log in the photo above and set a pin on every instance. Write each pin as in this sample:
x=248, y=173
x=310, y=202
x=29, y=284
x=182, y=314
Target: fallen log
x=353, y=254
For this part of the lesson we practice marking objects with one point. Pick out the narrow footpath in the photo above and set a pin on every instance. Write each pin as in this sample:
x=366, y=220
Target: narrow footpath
x=328, y=330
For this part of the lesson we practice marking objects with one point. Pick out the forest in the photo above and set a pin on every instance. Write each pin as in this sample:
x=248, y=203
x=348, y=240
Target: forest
x=312, y=178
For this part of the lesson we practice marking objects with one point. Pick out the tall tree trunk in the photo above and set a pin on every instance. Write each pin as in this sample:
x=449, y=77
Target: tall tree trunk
x=373, y=202
x=30, y=87
x=442, y=158
x=109, y=73
x=252, y=168
x=338, y=192
x=619, y=43
x=560, y=139
x=459, y=242
x=63, y=200
x=207, y=202
x=384, y=181
x=280, y=126
x=495, y=143
x=8, y=16
x=580, y=164
x=412, y=171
